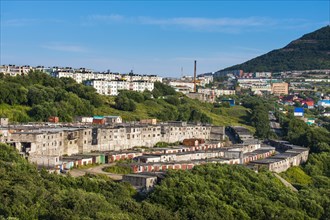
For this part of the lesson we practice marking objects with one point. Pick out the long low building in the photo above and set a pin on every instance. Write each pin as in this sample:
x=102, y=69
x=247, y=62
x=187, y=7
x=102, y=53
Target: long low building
x=183, y=165
x=283, y=161
x=38, y=141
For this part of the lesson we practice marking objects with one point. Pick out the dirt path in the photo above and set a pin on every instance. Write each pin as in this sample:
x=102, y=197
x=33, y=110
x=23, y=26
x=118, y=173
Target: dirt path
x=96, y=170
x=286, y=183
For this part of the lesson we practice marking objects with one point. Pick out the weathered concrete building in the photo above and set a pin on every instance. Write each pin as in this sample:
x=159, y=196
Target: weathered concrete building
x=294, y=156
x=57, y=140
x=140, y=181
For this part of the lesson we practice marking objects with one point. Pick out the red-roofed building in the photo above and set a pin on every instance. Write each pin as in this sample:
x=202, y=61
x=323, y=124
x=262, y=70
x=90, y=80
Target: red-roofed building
x=307, y=104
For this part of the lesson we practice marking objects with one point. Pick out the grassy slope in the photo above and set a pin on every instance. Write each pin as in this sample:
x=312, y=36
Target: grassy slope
x=15, y=112
x=229, y=116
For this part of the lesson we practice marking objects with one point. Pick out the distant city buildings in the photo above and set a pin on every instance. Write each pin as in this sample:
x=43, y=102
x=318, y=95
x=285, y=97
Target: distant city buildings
x=186, y=84
x=13, y=70
x=108, y=83
x=105, y=83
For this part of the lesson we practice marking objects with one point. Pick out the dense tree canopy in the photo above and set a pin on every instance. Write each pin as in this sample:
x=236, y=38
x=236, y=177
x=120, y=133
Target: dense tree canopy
x=259, y=115
x=48, y=96
x=210, y=191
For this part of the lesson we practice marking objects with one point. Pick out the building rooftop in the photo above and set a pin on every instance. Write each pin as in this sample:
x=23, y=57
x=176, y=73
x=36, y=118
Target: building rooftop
x=266, y=161
x=140, y=176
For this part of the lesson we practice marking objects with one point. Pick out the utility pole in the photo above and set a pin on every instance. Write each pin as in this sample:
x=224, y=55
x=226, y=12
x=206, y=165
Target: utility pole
x=195, y=76
x=181, y=72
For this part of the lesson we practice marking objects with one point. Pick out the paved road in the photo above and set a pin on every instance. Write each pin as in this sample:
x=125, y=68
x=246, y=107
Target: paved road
x=96, y=170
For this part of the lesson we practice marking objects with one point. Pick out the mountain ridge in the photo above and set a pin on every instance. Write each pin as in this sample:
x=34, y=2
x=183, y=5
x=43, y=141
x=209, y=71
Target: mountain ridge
x=311, y=51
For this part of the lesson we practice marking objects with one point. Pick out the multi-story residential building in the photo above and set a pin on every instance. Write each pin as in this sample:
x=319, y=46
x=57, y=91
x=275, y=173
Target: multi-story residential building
x=13, y=70
x=180, y=84
x=113, y=88
x=148, y=78
x=203, y=80
x=82, y=74
x=280, y=88
x=141, y=86
x=236, y=73
x=216, y=92
x=260, y=88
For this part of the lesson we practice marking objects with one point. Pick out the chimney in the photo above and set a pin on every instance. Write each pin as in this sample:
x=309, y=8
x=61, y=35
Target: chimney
x=195, y=77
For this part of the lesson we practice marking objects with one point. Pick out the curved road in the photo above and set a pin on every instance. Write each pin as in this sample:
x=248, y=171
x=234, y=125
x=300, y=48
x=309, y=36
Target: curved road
x=96, y=170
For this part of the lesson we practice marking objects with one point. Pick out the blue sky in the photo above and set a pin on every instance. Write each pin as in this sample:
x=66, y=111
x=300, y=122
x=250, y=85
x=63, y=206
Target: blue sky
x=152, y=37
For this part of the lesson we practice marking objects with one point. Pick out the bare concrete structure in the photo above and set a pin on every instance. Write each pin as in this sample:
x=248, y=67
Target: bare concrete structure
x=292, y=156
x=4, y=121
x=140, y=181
x=38, y=141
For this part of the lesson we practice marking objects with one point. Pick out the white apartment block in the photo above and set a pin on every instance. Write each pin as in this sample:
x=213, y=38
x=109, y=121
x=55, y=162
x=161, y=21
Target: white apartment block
x=81, y=75
x=13, y=70
x=216, y=92
x=178, y=84
x=112, y=88
x=261, y=88
x=203, y=80
x=148, y=78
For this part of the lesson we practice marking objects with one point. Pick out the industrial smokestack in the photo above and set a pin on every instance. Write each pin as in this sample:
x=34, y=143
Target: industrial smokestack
x=195, y=76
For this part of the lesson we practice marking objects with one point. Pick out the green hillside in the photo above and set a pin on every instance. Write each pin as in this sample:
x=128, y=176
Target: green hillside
x=311, y=51
x=37, y=96
x=212, y=191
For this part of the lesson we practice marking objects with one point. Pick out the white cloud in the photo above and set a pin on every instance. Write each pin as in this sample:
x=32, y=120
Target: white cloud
x=18, y=22
x=103, y=19
x=112, y=17
x=202, y=22
x=195, y=22
x=218, y=24
x=64, y=47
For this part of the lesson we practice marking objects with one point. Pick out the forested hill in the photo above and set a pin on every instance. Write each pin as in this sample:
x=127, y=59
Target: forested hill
x=212, y=191
x=36, y=96
x=311, y=51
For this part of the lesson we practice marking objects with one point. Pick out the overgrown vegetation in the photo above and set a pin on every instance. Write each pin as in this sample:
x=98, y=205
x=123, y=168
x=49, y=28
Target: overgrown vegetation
x=210, y=191
x=118, y=169
x=165, y=144
x=43, y=96
x=36, y=96
x=298, y=132
x=258, y=116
